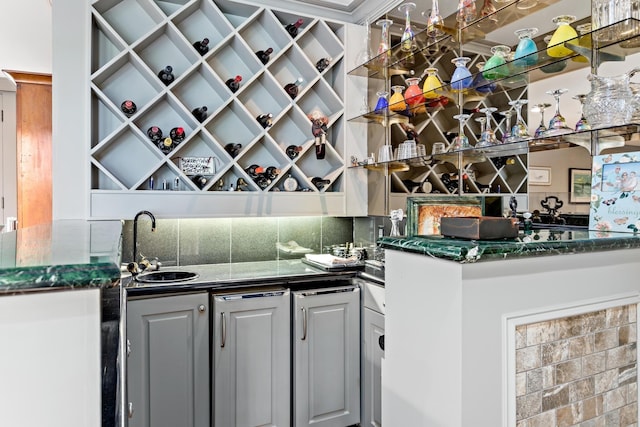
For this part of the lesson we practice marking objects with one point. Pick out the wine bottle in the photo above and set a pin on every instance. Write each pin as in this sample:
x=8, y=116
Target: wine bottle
x=271, y=172
x=293, y=27
x=263, y=55
x=322, y=64
x=177, y=135
x=265, y=120
x=293, y=151
x=166, y=75
x=320, y=148
x=200, y=113
x=202, y=46
x=254, y=170
x=292, y=88
x=200, y=181
x=234, y=83
x=154, y=133
x=262, y=181
x=166, y=145
x=128, y=107
x=319, y=182
x=233, y=149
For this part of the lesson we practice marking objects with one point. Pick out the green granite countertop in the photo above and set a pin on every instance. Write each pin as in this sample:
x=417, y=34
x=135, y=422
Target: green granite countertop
x=62, y=255
x=536, y=242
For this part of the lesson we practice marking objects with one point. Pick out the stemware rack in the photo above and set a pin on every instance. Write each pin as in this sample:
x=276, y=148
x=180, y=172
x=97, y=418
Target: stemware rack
x=501, y=168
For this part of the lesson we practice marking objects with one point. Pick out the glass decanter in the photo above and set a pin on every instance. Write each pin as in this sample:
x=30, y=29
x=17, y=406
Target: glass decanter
x=495, y=68
x=489, y=134
x=365, y=55
x=526, y=52
x=383, y=104
x=519, y=131
x=563, y=33
x=482, y=142
x=461, y=78
x=407, y=41
x=542, y=128
x=431, y=84
x=480, y=84
x=506, y=135
x=413, y=95
x=383, y=46
x=582, y=124
x=396, y=102
x=558, y=124
x=434, y=20
x=461, y=142
x=466, y=12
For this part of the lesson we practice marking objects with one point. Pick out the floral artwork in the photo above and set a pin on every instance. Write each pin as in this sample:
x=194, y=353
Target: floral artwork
x=615, y=193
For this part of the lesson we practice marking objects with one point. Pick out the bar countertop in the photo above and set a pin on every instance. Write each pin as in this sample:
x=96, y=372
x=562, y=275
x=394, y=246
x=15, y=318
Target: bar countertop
x=529, y=243
x=65, y=254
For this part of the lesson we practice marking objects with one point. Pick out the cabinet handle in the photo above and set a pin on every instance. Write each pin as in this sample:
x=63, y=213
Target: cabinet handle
x=223, y=330
x=130, y=409
x=202, y=308
x=304, y=323
x=381, y=342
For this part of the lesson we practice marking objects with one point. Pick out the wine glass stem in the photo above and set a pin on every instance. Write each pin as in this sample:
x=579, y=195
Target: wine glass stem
x=557, y=98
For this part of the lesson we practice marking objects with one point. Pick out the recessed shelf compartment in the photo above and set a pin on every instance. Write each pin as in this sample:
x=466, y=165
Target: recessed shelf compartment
x=166, y=46
x=264, y=153
x=262, y=97
x=169, y=7
x=232, y=59
x=103, y=180
x=236, y=13
x=263, y=31
x=293, y=129
x=106, y=45
x=288, y=18
x=201, y=19
x=127, y=78
x=291, y=65
x=323, y=98
x=164, y=179
x=230, y=178
x=131, y=19
x=202, y=87
x=319, y=42
x=234, y=125
x=128, y=157
x=294, y=172
x=201, y=145
x=325, y=168
x=104, y=119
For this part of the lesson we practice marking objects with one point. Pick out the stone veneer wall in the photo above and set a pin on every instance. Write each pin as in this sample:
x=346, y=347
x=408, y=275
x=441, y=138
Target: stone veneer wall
x=578, y=371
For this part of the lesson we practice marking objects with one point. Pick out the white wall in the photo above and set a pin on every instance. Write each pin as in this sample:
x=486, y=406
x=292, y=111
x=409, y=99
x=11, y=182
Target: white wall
x=25, y=36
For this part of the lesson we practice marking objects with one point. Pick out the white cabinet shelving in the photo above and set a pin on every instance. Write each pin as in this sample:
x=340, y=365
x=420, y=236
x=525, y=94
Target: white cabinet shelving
x=133, y=39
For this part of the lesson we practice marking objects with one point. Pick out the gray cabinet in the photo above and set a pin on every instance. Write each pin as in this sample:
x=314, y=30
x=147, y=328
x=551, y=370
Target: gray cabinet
x=326, y=351
x=372, y=355
x=252, y=359
x=168, y=364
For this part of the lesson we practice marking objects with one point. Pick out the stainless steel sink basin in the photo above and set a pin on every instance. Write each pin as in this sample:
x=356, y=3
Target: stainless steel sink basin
x=166, y=276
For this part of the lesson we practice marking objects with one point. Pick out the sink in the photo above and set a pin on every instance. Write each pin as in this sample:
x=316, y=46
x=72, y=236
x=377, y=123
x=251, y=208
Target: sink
x=166, y=276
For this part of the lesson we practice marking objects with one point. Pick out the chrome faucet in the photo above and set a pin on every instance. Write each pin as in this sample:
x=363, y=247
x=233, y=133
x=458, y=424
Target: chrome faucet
x=135, y=230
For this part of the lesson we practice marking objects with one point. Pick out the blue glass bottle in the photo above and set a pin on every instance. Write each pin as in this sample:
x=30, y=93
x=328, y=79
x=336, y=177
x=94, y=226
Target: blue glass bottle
x=461, y=78
x=480, y=84
x=526, y=51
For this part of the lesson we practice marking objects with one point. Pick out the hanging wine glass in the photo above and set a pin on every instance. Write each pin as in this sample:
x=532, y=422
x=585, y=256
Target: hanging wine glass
x=542, y=128
x=490, y=135
x=507, y=128
x=519, y=131
x=582, y=124
x=461, y=142
x=495, y=68
x=488, y=9
x=558, y=124
x=364, y=55
x=466, y=12
x=383, y=47
x=407, y=41
x=482, y=142
x=396, y=102
x=431, y=84
x=461, y=78
x=383, y=103
x=563, y=33
x=480, y=84
x=434, y=20
x=526, y=52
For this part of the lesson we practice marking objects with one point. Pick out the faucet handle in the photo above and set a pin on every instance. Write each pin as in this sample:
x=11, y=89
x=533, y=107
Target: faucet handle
x=132, y=268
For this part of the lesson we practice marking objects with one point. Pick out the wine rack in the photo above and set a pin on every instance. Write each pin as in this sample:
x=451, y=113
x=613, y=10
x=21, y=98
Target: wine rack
x=133, y=39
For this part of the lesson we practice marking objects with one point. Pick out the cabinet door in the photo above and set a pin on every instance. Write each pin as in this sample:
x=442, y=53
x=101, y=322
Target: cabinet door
x=372, y=354
x=168, y=367
x=327, y=357
x=252, y=359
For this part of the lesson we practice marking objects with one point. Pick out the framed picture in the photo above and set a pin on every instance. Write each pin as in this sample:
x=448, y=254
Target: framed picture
x=539, y=175
x=579, y=185
x=424, y=213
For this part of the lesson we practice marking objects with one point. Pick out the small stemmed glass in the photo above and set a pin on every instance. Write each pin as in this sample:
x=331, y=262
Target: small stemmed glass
x=483, y=142
x=489, y=133
x=461, y=142
x=558, y=124
x=542, y=128
x=582, y=124
x=434, y=20
x=519, y=131
x=506, y=135
x=407, y=42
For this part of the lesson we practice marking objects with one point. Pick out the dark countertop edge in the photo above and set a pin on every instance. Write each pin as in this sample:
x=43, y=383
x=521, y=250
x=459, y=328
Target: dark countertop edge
x=294, y=281
x=469, y=251
x=58, y=277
